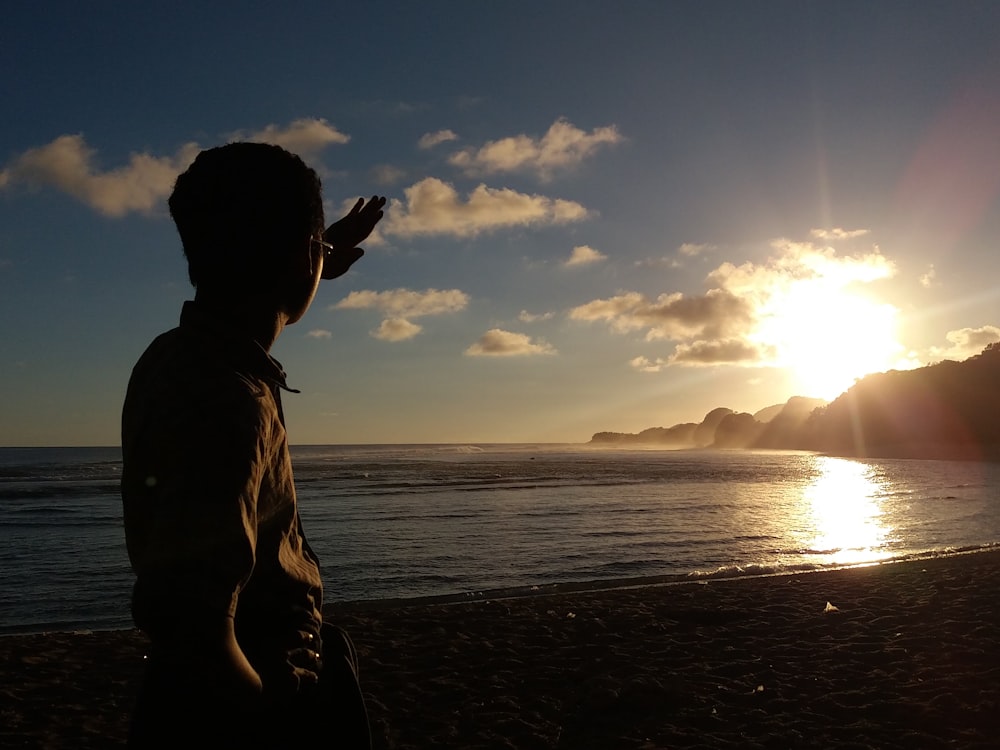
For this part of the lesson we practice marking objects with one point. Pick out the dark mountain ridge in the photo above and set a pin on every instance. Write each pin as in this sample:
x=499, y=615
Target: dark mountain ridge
x=945, y=410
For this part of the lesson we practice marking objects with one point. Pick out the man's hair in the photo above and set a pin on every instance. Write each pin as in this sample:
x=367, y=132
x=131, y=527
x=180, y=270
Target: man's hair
x=238, y=208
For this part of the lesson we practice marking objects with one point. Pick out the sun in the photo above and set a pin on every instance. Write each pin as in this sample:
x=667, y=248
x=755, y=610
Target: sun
x=828, y=336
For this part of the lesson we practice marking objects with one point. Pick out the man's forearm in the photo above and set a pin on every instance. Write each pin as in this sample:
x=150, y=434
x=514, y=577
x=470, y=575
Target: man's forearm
x=209, y=657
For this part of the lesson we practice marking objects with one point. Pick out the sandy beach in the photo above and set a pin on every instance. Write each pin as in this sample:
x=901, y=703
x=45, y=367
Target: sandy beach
x=909, y=658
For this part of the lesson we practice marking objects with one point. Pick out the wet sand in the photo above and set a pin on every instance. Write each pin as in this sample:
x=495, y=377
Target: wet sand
x=910, y=658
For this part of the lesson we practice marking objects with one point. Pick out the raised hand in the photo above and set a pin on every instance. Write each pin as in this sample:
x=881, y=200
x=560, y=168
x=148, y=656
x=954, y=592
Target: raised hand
x=346, y=234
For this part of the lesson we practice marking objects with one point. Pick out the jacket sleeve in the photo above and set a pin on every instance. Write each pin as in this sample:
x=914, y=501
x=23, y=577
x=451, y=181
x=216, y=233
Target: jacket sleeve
x=191, y=486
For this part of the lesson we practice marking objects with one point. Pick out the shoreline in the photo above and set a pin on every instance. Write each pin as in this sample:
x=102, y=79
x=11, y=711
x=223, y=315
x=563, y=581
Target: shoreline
x=906, y=655
x=601, y=585
x=727, y=573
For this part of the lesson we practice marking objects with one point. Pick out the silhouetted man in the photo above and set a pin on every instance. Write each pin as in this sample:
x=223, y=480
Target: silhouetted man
x=227, y=588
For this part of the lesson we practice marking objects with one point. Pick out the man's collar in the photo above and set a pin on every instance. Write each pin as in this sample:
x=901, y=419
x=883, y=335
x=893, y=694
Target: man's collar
x=239, y=350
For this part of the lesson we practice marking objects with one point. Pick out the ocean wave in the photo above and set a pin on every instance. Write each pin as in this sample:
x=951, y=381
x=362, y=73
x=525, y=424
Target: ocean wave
x=49, y=490
x=769, y=569
x=752, y=569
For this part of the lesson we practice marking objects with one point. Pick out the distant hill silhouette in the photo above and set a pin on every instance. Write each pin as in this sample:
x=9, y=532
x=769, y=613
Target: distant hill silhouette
x=679, y=436
x=946, y=410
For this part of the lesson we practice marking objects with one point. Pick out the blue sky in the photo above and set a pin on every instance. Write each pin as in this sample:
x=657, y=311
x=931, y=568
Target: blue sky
x=603, y=215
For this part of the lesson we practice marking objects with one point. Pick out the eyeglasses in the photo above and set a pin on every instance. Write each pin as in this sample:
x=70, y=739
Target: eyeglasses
x=325, y=245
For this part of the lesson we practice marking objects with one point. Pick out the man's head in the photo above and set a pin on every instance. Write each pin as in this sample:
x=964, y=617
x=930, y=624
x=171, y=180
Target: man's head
x=243, y=211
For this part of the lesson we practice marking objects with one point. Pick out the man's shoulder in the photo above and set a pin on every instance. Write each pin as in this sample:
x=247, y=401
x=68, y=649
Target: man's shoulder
x=179, y=369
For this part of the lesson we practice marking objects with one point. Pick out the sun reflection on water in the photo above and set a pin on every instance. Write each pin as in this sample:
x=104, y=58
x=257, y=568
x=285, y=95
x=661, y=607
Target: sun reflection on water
x=844, y=517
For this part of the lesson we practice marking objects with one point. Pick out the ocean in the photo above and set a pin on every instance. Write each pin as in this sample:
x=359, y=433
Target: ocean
x=471, y=521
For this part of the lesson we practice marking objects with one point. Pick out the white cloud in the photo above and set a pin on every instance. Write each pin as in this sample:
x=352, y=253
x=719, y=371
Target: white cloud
x=305, y=137
x=584, y=255
x=746, y=314
x=927, y=279
x=691, y=249
x=396, y=329
x=319, y=333
x=68, y=164
x=643, y=364
x=686, y=250
x=719, y=352
x=434, y=207
x=966, y=342
x=836, y=233
x=563, y=146
x=499, y=343
x=662, y=262
x=670, y=316
x=406, y=303
x=527, y=317
x=400, y=305
x=430, y=140
x=802, y=261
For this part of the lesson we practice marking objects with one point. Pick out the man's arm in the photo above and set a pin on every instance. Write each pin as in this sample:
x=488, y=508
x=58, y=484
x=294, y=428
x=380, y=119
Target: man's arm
x=190, y=488
x=347, y=233
x=211, y=660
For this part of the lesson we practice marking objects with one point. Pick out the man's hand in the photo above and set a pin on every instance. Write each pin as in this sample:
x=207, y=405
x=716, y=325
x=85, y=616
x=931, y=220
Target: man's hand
x=345, y=236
